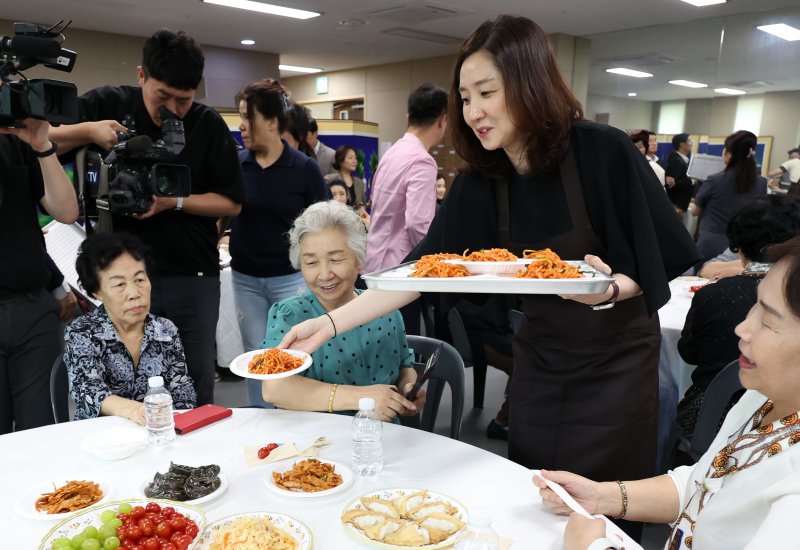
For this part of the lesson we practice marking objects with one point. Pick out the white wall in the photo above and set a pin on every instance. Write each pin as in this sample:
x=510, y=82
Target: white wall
x=625, y=114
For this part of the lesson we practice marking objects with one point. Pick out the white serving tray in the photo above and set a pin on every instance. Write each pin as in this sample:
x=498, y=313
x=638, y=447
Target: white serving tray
x=397, y=278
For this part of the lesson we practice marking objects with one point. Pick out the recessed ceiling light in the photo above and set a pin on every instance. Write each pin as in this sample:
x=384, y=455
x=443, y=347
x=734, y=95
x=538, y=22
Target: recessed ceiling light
x=248, y=42
x=729, y=91
x=296, y=69
x=629, y=72
x=631, y=94
x=701, y=3
x=782, y=30
x=265, y=8
x=688, y=84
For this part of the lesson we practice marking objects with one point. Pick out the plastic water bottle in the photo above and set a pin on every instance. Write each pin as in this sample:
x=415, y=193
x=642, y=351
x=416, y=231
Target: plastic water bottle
x=158, y=413
x=367, y=439
x=479, y=535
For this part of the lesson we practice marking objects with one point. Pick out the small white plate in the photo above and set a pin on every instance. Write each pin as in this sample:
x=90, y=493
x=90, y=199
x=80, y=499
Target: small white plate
x=239, y=365
x=482, y=268
x=391, y=494
x=115, y=443
x=295, y=528
x=223, y=486
x=339, y=468
x=25, y=505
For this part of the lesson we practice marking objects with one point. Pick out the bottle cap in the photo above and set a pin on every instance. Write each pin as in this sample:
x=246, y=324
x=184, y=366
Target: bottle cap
x=155, y=381
x=480, y=516
x=366, y=404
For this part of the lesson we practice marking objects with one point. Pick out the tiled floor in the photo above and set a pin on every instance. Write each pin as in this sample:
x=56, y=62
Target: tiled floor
x=230, y=392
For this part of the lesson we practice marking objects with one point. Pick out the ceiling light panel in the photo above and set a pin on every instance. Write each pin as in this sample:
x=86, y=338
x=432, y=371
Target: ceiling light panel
x=782, y=30
x=261, y=7
x=703, y=3
x=298, y=69
x=629, y=72
x=729, y=91
x=688, y=84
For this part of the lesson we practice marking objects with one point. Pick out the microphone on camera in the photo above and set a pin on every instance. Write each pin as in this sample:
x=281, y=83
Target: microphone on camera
x=139, y=144
x=30, y=46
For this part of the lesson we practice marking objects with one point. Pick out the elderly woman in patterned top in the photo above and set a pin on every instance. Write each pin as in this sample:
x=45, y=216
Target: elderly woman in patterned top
x=745, y=491
x=111, y=352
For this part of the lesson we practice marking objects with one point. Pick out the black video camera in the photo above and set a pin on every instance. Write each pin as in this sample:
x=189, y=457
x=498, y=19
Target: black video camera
x=136, y=169
x=44, y=99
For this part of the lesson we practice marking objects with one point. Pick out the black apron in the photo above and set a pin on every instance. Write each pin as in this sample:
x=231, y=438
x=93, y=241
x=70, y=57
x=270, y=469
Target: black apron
x=584, y=391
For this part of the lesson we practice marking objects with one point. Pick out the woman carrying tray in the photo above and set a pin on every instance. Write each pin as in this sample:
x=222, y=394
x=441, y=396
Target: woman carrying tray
x=584, y=393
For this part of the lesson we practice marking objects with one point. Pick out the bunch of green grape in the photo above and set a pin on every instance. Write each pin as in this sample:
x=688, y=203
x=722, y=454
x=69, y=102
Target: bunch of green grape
x=92, y=538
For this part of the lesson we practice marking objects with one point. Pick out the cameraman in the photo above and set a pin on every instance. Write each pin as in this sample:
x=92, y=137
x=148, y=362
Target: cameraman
x=29, y=328
x=181, y=232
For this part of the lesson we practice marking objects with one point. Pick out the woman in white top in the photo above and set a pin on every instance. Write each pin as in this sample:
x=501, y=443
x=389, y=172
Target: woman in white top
x=743, y=493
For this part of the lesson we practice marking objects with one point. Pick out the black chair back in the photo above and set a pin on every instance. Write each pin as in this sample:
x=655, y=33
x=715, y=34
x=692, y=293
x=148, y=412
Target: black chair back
x=450, y=370
x=722, y=389
x=461, y=342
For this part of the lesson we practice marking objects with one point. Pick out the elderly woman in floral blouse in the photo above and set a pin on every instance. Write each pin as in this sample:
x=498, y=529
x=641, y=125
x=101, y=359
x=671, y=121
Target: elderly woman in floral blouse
x=112, y=351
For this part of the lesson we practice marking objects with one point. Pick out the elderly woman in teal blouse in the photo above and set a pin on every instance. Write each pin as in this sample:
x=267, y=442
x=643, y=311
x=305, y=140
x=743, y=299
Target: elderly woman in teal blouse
x=328, y=244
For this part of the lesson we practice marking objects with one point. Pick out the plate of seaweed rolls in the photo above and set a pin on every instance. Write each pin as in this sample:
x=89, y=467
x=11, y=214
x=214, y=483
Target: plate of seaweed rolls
x=195, y=485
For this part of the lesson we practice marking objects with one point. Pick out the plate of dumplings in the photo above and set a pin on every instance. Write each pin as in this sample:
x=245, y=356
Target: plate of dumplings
x=405, y=518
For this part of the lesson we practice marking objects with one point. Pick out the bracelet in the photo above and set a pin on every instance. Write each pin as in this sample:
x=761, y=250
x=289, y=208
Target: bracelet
x=46, y=153
x=334, y=325
x=330, y=397
x=624, y=492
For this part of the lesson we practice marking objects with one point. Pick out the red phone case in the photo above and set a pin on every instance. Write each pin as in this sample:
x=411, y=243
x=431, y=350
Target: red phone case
x=199, y=417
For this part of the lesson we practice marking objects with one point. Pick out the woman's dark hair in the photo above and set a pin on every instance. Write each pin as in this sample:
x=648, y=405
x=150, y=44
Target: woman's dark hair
x=99, y=250
x=268, y=97
x=539, y=102
x=340, y=154
x=643, y=137
x=765, y=221
x=297, y=124
x=338, y=182
x=789, y=252
x=742, y=148
x=173, y=58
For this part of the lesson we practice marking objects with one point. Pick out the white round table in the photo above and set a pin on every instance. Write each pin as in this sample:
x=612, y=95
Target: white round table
x=413, y=459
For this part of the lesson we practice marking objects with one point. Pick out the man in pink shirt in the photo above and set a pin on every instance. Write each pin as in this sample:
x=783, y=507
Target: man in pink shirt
x=404, y=186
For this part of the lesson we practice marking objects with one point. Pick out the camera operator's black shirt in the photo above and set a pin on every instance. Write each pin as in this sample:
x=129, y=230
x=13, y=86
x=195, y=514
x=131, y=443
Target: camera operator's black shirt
x=23, y=268
x=182, y=243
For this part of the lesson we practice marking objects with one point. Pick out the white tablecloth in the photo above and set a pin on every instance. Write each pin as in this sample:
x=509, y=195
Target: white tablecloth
x=413, y=458
x=674, y=374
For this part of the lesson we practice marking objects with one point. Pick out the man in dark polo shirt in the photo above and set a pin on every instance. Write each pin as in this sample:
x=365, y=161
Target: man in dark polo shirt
x=29, y=329
x=181, y=232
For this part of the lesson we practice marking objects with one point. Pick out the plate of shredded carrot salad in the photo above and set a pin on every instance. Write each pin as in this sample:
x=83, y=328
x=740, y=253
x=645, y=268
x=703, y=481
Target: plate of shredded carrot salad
x=492, y=271
x=269, y=364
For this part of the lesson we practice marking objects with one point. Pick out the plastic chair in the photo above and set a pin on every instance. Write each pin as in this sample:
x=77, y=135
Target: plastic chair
x=461, y=342
x=722, y=389
x=59, y=390
x=450, y=370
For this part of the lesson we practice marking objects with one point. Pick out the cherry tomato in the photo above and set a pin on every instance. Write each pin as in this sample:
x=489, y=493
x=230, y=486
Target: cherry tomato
x=167, y=511
x=147, y=526
x=134, y=532
x=272, y=446
x=163, y=530
x=152, y=543
x=127, y=543
x=137, y=512
x=191, y=529
x=167, y=546
x=182, y=542
x=137, y=547
x=177, y=524
x=263, y=453
x=153, y=507
x=124, y=518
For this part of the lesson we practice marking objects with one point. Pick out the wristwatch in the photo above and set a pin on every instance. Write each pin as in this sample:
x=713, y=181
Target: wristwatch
x=608, y=304
x=179, y=206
